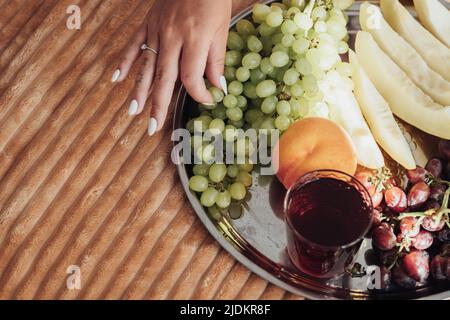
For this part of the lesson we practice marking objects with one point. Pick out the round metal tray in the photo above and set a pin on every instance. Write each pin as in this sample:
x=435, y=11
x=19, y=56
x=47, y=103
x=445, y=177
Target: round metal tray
x=257, y=238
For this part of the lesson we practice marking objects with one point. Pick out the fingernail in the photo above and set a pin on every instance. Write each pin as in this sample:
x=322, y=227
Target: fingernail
x=223, y=84
x=133, y=108
x=209, y=104
x=115, y=75
x=153, y=124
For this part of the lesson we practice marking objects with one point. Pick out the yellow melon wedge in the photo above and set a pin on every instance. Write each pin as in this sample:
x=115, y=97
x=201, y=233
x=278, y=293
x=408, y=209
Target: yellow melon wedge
x=406, y=57
x=380, y=118
x=435, y=53
x=435, y=17
x=406, y=100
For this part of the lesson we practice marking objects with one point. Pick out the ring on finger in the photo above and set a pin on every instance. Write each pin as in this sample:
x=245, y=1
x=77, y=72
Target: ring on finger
x=145, y=47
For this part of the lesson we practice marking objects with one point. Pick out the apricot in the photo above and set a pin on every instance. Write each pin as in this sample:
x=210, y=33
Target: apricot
x=313, y=144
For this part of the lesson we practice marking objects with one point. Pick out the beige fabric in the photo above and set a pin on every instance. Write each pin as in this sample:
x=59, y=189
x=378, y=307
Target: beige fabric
x=80, y=181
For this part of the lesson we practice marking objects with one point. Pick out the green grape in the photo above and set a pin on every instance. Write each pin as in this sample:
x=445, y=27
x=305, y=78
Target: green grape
x=266, y=88
x=235, y=114
x=319, y=13
x=266, y=67
x=265, y=30
x=257, y=123
x=237, y=124
x=230, y=101
x=343, y=47
x=230, y=73
x=310, y=84
x=245, y=28
x=244, y=147
x=250, y=90
x=345, y=69
x=300, y=45
x=198, y=183
x=283, y=108
x=288, y=40
x=232, y=58
x=295, y=108
x=291, y=76
x=269, y=105
x=257, y=102
x=292, y=11
x=252, y=115
x=217, y=124
x=201, y=169
x=208, y=197
x=267, y=124
x=247, y=167
x=303, y=66
x=336, y=29
x=241, y=102
x=217, y=172
x=279, y=59
x=280, y=48
x=245, y=178
x=256, y=76
x=282, y=122
x=235, y=88
x=251, y=60
x=190, y=125
x=216, y=94
x=204, y=122
x=267, y=44
x=208, y=153
x=274, y=19
x=230, y=133
x=261, y=11
x=214, y=212
x=289, y=27
x=254, y=44
x=242, y=74
x=223, y=199
x=219, y=112
x=232, y=171
x=280, y=74
x=303, y=21
x=237, y=191
x=278, y=7
x=296, y=90
x=320, y=27
x=235, y=41
x=277, y=38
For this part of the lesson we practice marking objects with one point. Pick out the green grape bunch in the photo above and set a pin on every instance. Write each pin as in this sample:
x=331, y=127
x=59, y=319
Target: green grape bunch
x=274, y=65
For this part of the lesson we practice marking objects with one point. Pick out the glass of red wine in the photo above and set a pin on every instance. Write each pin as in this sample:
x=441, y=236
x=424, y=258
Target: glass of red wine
x=327, y=213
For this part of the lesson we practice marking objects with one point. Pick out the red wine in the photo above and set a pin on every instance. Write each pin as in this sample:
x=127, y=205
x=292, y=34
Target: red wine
x=327, y=219
x=329, y=212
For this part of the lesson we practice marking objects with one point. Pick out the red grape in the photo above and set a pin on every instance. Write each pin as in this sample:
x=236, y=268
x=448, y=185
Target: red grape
x=396, y=199
x=409, y=227
x=444, y=149
x=377, y=197
x=419, y=174
x=447, y=171
x=416, y=265
x=431, y=204
x=418, y=195
x=383, y=238
x=433, y=225
x=387, y=258
x=366, y=178
x=437, y=267
x=376, y=217
x=423, y=240
x=444, y=235
x=402, y=279
x=435, y=167
x=437, y=191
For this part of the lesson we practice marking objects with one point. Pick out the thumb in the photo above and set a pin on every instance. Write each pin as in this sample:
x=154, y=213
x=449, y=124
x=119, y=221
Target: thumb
x=216, y=59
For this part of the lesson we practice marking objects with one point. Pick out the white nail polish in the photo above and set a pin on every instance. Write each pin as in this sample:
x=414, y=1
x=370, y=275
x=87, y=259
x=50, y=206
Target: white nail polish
x=115, y=75
x=223, y=84
x=133, y=108
x=152, y=125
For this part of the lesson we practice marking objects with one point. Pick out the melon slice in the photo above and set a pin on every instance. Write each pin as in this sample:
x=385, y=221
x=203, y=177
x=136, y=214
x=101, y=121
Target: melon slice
x=380, y=118
x=406, y=100
x=435, y=17
x=406, y=57
x=435, y=53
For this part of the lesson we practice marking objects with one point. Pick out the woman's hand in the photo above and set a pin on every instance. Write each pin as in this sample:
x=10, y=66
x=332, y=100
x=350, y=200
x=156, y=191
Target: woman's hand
x=190, y=37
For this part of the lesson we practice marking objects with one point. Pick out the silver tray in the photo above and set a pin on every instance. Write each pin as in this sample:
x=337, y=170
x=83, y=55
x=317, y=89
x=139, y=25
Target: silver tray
x=257, y=239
